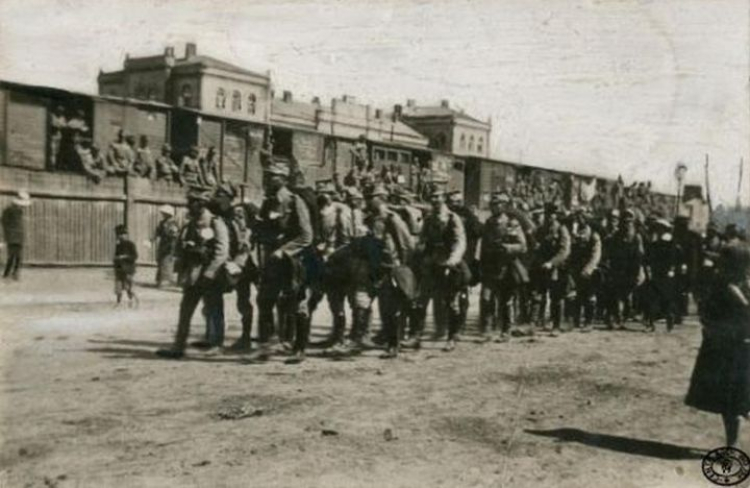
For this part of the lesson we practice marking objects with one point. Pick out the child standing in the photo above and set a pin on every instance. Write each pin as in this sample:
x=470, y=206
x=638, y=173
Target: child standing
x=125, y=257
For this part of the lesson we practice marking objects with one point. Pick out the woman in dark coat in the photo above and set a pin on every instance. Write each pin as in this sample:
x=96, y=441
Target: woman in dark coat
x=721, y=377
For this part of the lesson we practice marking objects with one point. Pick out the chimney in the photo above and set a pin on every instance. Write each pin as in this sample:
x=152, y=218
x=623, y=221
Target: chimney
x=411, y=103
x=445, y=104
x=378, y=113
x=169, y=52
x=191, y=49
x=287, y=96
x=397, y=112
x=348, y=99
x=316, y=100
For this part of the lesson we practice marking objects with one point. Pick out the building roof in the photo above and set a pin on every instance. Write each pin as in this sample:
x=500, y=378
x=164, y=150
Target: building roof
x=438, y=111
x=211, y=62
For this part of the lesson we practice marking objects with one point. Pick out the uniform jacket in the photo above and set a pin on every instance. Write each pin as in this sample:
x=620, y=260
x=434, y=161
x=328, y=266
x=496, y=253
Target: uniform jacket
x=202, y=249
x=336, y=228
x=190, y=172
x=554, y=246
x=120, y=157
x=585, y=253
x=443, y=238
x=473, y=230
x=166, y=169
x=623, y=255
x=144, y=163
x=503, y=243
x=284, y=224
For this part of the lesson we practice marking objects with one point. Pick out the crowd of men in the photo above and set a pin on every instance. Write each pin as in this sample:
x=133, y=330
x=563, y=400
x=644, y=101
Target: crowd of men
x=363, y=241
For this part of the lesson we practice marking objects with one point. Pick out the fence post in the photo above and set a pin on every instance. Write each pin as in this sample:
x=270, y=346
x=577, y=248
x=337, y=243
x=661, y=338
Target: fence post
x=129, y=205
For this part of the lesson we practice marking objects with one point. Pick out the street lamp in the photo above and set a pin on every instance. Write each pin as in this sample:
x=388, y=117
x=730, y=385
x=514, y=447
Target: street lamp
x=679, y=174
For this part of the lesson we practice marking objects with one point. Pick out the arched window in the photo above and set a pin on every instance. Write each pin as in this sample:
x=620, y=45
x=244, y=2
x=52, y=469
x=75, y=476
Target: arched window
x=221, y=98
x=463, y=142
x=480, y=145
x=471, y=143
x=236, y=101
x=186, y=95
x=251, y=103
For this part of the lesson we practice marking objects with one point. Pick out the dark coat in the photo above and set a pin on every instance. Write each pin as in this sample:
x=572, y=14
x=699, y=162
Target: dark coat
x=13, y=225
x=126, y=256
x=721, y=378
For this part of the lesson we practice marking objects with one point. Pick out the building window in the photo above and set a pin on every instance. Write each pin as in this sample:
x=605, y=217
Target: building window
x=236, y=101
x=471, y=143
x=186, y=95
x=463, y=142
x=480, y=145
x=251, y=103
x=221, y=98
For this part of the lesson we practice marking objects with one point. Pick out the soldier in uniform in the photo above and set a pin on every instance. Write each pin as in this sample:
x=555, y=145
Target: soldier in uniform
x=332, y=252
x=284, y=231
x=166, y=169
x=392, y=280
x=585, y=255
x=443, y=272
x=663, y=260
x=624, y=252
x=120, y=156
x=689, y=242
x=473, y=229
x=202, y=249
x=165, y=239
x=549, y=273
x=503, y=243
x=190, y=170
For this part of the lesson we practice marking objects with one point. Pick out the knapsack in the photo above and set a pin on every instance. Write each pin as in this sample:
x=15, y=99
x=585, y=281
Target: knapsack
x=308, y=196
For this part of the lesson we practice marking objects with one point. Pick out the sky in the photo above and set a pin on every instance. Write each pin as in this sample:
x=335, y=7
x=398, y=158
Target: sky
x=601, y=87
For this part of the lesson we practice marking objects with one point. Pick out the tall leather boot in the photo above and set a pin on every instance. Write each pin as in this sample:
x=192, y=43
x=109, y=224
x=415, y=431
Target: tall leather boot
x=302, y=336
x=417, y=317
x=243, y=343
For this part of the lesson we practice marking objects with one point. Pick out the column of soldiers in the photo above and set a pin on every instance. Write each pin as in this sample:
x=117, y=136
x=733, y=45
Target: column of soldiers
x=543, y=269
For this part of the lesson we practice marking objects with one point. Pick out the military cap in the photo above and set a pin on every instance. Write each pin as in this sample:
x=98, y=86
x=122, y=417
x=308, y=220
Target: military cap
x=456, y=196
x=628, y=215
x=661, y=222
x=499, y=197
x=377, y=191
x=277, y=168
x=437, y=190
x=353, y=192
x=325, y=186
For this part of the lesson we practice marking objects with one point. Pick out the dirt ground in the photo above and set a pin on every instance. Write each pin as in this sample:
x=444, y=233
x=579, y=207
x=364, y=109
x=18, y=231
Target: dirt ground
x=85, y=402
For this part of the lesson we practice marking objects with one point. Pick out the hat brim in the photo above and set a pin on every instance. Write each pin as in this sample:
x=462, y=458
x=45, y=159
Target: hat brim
x=22, y=202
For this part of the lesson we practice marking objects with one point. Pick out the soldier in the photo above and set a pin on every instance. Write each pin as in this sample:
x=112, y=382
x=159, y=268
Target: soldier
x=392, y=280
x=710, y=251
x=332, y=253
x=689, y=243
x=120, y=156
x=356, y=203
x=165, y=239
x=166, y=169
x=443, y=273
x=585, y=255
x=624, y=252
x=283, y=232
x=549, y=278
x=190, y=170
x=503, y=243
x=144, y=160
x=473, y=229
x=202, y=249
x=663, y=261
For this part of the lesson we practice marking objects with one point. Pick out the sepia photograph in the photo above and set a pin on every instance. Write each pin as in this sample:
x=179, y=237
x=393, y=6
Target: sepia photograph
x=356, y=244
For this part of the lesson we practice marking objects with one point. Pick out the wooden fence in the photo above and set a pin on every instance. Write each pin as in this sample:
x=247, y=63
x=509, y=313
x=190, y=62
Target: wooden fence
x=71, y=219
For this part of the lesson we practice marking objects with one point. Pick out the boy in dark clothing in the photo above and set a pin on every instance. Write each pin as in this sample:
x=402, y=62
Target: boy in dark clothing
x=126, y=256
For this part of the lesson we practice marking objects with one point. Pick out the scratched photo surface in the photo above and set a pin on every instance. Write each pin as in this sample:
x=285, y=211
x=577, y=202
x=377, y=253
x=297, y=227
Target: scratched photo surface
x=445, y=291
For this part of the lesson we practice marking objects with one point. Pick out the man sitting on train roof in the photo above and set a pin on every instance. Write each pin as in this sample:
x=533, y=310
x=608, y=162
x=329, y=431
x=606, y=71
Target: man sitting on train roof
x=190, y=171
x=166, y=168
x=144, y=160
x=120, y=156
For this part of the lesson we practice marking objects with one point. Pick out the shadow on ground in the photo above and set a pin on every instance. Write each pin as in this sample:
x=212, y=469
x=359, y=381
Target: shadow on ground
x=628, y=445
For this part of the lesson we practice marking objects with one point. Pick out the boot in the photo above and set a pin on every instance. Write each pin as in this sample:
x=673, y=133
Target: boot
x=337, y=333
x=243, y=343
x=416, y=326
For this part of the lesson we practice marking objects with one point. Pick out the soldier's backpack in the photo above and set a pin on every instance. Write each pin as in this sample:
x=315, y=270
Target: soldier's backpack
x=308, y=196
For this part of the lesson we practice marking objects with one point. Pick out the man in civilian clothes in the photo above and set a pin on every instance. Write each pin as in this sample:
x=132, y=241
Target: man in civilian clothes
x=14, y=234
x=202, y=249
x=165, y=238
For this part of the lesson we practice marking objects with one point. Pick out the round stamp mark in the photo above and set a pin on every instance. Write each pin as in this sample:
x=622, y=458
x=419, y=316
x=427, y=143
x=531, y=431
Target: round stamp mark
x=726, y=466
